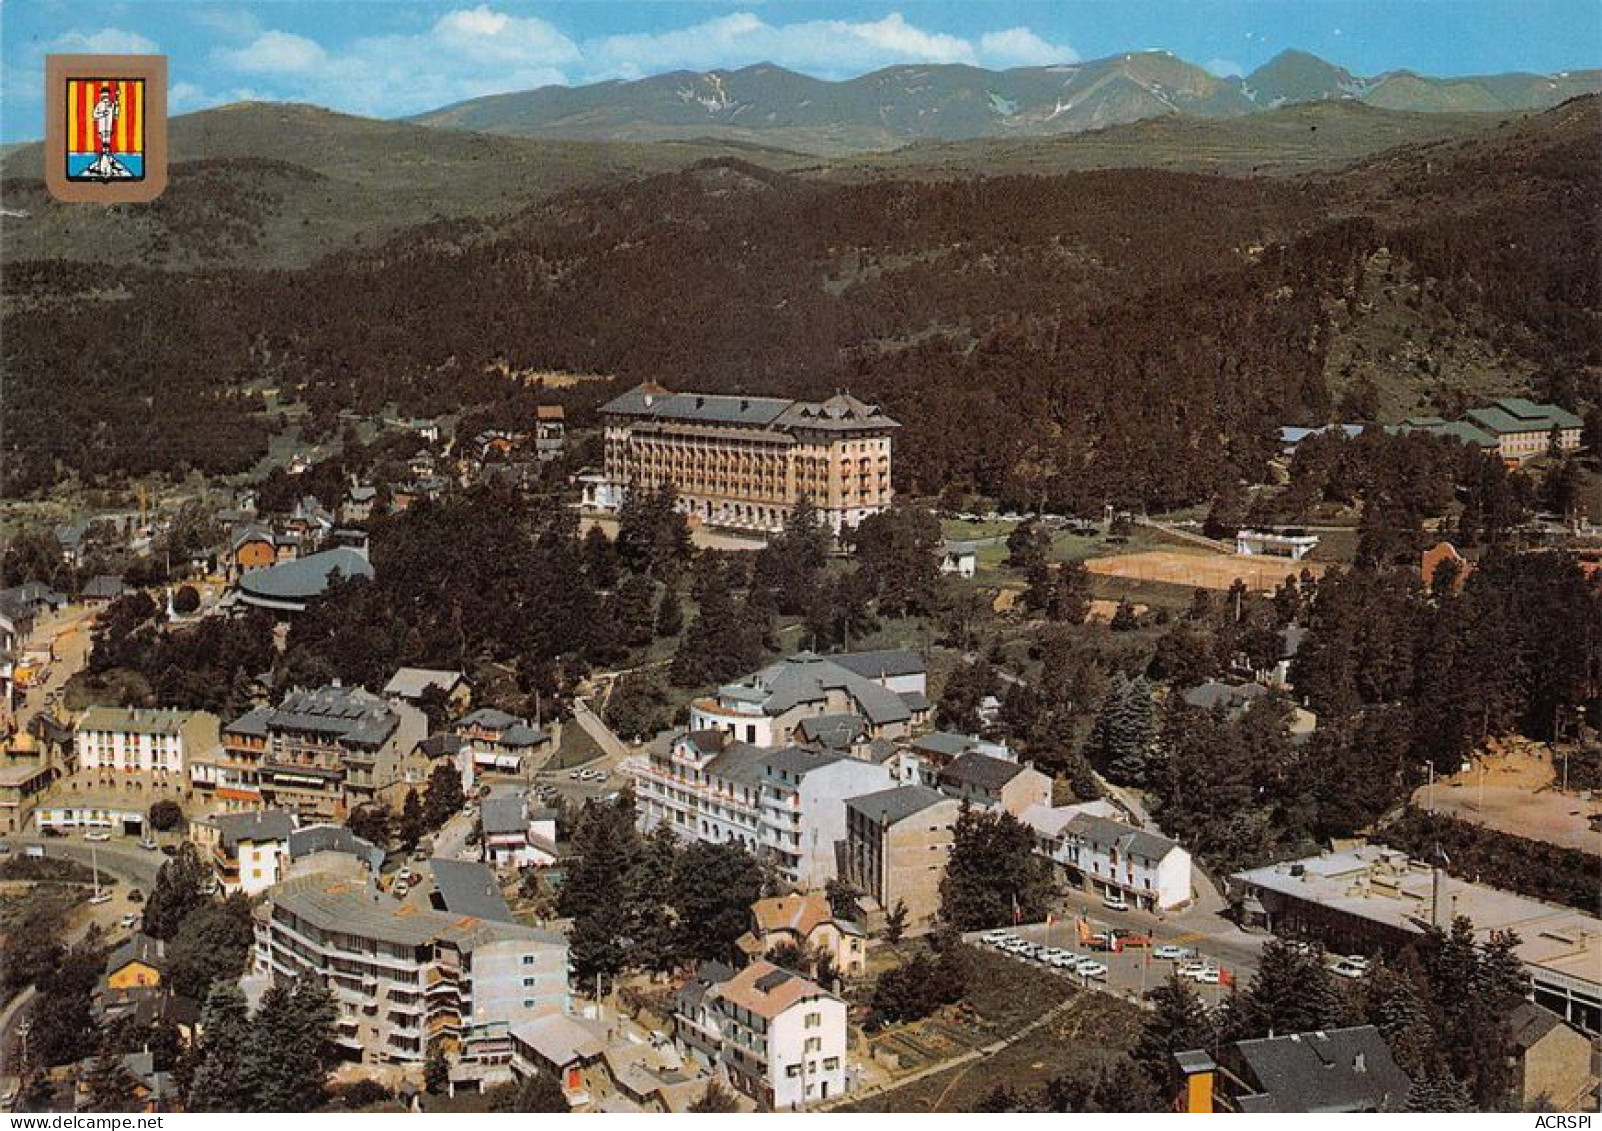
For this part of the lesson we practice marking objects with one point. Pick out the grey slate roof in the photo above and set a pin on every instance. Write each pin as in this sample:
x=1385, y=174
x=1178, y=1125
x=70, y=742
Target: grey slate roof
x=897, y=804
x=304, y=578
x=334, y=838
x=140, y=947
x=464, y=887
x=882, y=664
x=410, y=683
x=490, y=718
x=253, y=723
x=799, y=761
x=351, y=715
x=808, y=678
x=741, y=763
x=500, y=814
x=361, y=910
x=103, y=587
x=1131, y=841
x=702, y=408
x=1319, y=1072
x=981, y=771
x=945, y=743
x=268, y=824
x=1212, y=694
x=836, y=731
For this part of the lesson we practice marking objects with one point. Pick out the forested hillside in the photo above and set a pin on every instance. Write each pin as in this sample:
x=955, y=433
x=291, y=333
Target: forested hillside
x=1128, y=336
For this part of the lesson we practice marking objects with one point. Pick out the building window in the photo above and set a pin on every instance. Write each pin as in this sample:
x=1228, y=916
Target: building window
x=831, y=1063
x=814, y=1020
x=814, y=1044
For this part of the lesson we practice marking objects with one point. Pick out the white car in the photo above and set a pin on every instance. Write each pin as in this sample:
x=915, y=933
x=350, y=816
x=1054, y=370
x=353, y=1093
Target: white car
x=992, y=937
x=1206, y=976
x=149, y=844
x=1112, y=901
x=1168, y=952
x=1067, y=960
x=1092, y=969
x=1346, y=968
x=1358, y=960
x=128, y=920
x=1190, y=969
x=97, y=837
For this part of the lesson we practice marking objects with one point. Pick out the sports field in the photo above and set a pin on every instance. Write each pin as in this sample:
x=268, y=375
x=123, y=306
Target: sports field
x=1199, y=570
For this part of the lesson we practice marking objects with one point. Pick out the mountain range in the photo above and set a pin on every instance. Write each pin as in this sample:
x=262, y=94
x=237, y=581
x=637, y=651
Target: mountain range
x=891, y=107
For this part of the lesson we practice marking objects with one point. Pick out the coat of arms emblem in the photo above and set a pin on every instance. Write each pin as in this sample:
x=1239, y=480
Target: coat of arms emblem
x=106, y=135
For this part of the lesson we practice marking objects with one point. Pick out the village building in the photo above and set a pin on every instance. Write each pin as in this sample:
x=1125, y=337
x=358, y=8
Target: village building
x=1334, y=1071
x=803, y=815
x=1275, y=544
x=142, y=740
x=1374, y=897
x=410, y=684
x=781, y=1038
x=1551, y=1061
x=550, y=431
x=990, y=782
x=1110, y=857
x=22, y=783
x=1524, y=429
x=959, y=559
x=806, y=922
x=90, y=810
x=406, y=977
x=515, y=833
x=320, y=753
x=497, y=743
x=887, y=689
x=897, y=843
x=744, y=462
x=249, y=852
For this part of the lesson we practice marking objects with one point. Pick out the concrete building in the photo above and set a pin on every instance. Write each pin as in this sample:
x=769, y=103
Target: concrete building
x=138, y=740
x=406, y=976
x=1551, y=1061
x=804, y=809
x=887, y=689
x=1109, y=857
x=1375, y=897
x=289, y=587
x=22, y=783
x=743, y=462
x=515, y=832
x=781, y=1038
x=499, y=744
x=249, y=852
x=1275, y=544
x=897, y=844
x=1524, y=429
x=90, y=811
x=991, y=782
x=319, y=753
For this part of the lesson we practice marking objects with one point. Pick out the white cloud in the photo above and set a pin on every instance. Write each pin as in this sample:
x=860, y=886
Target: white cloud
x=1225, y=68
x=470, y=52
x=235, y=23
x=1020, y=47
x=826, y=47
x=274, y=53
x=106, y=41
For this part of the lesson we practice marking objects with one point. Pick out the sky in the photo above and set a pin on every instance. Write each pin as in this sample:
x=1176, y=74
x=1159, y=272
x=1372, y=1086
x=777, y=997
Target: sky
x=390, y=59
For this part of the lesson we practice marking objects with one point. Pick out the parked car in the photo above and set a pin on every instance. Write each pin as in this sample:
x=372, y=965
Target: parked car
x=1092, y=970
x=169, y=850
x=128, y=920
x=1128, y=938
x=1113, y=901
x=1346, y=968
x=994, y=937
x=149, y=844
x=98, y=836
x=1168, y=952
x=1207, y=976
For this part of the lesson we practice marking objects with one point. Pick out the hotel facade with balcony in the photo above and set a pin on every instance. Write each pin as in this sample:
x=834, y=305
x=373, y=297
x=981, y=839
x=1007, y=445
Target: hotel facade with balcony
x=405, y=976
x=743, y=462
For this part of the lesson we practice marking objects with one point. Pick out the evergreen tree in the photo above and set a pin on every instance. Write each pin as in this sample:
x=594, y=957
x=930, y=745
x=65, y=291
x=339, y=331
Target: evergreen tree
x=436, y=1071
x=714, y=886
x=111, y=1086
x=716, y=1099
x=1292, y=993
x=669, y=613
x=1177, y=1023
x=895, y=923
x=223, y=1078
x=722, y=642
x=992, y=874
x=444, y=796
x=540, y=1093
x=293, y=1046
x=180, y=889
x=649, y=896
x=1028, y=546
x=966, y=688
x=412, y=825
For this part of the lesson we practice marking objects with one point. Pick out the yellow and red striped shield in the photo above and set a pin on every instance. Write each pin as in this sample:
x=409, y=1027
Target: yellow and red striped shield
x=114, y=104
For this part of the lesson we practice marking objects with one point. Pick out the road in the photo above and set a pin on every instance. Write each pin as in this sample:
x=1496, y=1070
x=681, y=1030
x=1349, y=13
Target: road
x=134, y=867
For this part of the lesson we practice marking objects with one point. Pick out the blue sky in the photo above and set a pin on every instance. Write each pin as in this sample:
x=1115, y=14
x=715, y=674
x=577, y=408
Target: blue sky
x=390, y=59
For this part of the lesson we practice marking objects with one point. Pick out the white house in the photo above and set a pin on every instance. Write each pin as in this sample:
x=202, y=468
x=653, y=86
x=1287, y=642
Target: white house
x=249, y=851
x=1107, y=856
x=804, y=809
x=516, y=834
x=959, y=558
x=1253, y=543
x=781, y=1037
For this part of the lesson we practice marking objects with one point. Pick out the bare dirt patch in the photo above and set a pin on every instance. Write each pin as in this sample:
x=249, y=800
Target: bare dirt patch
x=1199, y=570
x=1512, y=787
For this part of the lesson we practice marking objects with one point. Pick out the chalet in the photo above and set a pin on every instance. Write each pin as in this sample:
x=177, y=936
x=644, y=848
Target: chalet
x=807, y=923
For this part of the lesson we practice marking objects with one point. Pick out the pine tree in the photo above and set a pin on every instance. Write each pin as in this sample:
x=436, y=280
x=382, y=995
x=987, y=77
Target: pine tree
x=669, y=613
x=444, y=796
x=222, y=1079
x=293, y=1046
x=412, y=822
x=436, y=1071
x=716, y=1099
x=111, y=1086
x=895, y=923
x=179, y=889
x=992, y=872
x=1177, y=1023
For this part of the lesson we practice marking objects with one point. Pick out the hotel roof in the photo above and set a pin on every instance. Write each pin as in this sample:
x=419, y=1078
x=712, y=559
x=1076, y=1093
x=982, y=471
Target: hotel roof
x=768, y=990
x=331, y=904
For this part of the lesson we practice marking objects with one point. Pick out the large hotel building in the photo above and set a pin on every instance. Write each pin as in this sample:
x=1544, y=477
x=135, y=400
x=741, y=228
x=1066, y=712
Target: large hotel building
x=743, y=462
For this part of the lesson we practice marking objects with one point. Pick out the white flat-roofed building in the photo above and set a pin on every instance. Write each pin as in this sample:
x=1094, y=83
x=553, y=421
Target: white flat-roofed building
x=405, y=976
x=1375, y=896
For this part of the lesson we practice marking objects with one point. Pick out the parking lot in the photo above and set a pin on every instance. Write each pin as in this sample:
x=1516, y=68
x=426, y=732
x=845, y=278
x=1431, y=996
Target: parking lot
x=1140, y=962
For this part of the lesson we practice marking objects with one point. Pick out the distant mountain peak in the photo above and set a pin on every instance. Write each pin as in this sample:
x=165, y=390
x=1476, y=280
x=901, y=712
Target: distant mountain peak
x=767, y=104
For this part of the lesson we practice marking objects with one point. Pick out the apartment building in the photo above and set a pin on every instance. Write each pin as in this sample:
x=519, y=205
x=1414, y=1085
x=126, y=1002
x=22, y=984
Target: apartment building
x=139, y=740
x=781, y=1037
x=499, y=743
x=743, y=462
x=405, y=976
x=804, y=809
x=1109, y=857
x=887, y=690
x=787, y=803
x=990, y=782
x=320, y=753
x=897, y=844
x=249, y=852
